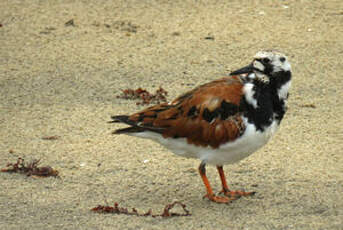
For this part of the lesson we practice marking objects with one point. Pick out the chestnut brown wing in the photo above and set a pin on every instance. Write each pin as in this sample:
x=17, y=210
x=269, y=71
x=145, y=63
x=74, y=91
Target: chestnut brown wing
x=206, y=116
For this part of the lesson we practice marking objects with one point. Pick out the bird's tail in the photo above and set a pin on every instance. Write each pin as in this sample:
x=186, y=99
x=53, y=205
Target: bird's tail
x=125, y=119
x=121, y=119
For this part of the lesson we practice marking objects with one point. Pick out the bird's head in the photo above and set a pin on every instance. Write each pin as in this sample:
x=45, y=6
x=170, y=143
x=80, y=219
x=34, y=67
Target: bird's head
x=268, y=63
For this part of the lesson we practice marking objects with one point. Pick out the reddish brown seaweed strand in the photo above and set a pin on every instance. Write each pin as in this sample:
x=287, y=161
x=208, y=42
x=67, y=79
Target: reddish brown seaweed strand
x=30, y=169
x=145, y=96
x=166, y=211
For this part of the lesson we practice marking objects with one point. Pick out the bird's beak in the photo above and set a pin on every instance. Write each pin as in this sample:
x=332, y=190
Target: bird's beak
x=246, y=69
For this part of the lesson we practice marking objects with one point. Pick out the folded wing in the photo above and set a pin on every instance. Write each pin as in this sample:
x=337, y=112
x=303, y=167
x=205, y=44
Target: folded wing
x=208, y=115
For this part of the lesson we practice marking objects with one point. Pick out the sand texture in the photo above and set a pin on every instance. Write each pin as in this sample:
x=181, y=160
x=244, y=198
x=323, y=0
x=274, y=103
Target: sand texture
x=62, y=78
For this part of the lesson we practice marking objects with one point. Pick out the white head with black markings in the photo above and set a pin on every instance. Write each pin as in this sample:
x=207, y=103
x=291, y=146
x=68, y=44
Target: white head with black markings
x=267, y=64
x=271, y=62
x=270, y=68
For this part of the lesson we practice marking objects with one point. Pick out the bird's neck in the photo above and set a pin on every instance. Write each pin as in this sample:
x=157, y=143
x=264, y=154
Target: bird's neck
x=280, y=85
x=265, y=100
x=281, y=82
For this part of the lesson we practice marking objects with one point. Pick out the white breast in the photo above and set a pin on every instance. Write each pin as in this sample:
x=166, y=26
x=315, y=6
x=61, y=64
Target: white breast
x=227, y=153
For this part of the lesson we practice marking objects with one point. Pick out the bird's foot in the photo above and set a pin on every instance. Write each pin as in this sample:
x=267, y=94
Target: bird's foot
x=219, y=199
x=235, y=194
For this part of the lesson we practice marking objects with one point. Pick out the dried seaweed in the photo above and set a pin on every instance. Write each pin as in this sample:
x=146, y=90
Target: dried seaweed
x=30, y=169
x=145, y=96
x=166, y=211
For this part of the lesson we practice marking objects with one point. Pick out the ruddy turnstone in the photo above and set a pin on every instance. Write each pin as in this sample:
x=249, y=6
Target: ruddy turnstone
x=220, y=122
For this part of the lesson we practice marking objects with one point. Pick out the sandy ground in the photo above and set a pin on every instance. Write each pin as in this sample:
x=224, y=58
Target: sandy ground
x=63, y=80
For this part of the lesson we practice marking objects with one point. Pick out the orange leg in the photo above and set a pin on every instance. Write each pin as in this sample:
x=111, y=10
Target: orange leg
x=226, y=190
x=210, y=195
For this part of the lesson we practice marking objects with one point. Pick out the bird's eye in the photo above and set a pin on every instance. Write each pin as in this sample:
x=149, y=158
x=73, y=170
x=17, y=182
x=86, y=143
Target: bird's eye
x=282, y=59
x=265, y=60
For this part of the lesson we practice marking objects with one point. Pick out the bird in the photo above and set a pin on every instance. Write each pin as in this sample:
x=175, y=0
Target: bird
x=220, y=122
